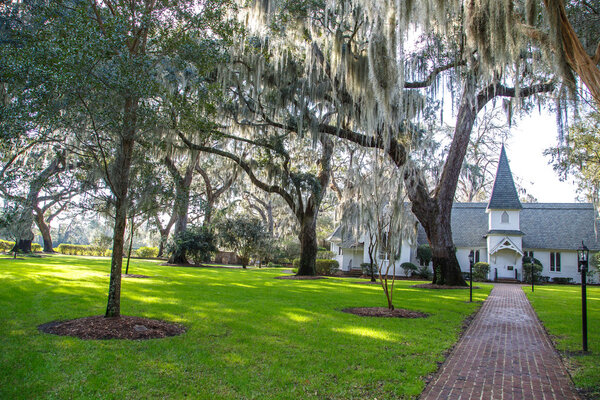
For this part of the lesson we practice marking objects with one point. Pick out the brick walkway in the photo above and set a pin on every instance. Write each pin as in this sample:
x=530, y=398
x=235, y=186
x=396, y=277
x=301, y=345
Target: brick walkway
x=504, y=354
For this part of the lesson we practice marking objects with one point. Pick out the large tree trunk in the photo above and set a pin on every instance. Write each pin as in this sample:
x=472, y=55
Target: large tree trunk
x=22, y=246
x=181, y=210
x=45, y=231
x=308, y=245
x=120, y=187
x=182, y=201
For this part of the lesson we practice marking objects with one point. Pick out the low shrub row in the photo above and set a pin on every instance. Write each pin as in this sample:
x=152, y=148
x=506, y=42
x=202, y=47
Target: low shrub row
x=82, y=250
x=322, y=267
x=147, y=252
x=7, y=246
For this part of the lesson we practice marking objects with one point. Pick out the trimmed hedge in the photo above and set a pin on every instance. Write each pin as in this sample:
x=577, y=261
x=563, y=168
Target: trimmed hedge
x=147, y=252
x=322, y=267
x=6, y=246
x=82, y=250
x=326, y=267
x=562, y=280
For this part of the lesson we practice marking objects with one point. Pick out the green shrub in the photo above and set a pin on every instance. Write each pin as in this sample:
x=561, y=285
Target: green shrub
x=36, y=247
x=326, y=267
x=325, y=255
x=82, y=250
x=369, y=269
x=562, y=280
x=481, y=271
x=408, y=268
x=322, y=267
x=424, y=273
x=271, y=264
x=424, y=254
x=197, y=243
x=147, y=252
x=6, y=246
x=537, y=269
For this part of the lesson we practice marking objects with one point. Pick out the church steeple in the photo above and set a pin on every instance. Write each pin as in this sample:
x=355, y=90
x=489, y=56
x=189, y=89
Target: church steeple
x=504, y=194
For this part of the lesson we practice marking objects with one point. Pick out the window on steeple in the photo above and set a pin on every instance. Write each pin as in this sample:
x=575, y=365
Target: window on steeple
x=504, y=217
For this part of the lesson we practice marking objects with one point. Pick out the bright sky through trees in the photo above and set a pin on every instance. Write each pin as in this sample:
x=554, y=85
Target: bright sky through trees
x=532, y=135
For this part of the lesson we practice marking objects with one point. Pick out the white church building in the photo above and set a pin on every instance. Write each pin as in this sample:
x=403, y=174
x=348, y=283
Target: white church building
x=500, y=233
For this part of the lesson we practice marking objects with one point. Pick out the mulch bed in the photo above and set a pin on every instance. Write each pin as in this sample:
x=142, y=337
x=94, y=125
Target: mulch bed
x=368, y=283
x=123, y=327
x=384, y=312
x=300, y=278
x=133, y=276
x=431, y=286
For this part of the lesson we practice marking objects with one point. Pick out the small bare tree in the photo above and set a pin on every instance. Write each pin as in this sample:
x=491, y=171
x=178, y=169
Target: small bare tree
x=375, y=205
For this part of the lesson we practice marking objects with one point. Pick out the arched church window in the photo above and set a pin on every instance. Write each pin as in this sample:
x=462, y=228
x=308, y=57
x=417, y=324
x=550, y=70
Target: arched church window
x=504, y=217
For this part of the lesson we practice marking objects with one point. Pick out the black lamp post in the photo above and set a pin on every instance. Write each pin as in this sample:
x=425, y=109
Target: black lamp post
x=582, y=256
x=471, y=259
x=532, y=263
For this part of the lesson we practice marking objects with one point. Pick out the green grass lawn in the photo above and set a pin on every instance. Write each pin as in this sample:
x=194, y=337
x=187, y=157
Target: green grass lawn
x=559, y=308
x=249, y=336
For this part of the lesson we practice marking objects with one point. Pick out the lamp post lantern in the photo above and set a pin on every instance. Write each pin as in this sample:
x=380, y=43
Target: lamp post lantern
x=471, y=259
x=582, y=256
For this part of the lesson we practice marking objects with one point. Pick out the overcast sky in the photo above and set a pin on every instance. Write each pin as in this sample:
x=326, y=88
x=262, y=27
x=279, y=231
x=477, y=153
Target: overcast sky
x=532, y=135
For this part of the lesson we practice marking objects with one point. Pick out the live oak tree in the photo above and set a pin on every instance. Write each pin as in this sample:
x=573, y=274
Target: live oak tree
x=269, y=165
x=97, y=76
x=355, y=59
x=41, y=179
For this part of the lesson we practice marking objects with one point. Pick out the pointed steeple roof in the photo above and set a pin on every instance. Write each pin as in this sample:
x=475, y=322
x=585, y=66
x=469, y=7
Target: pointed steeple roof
x=504, y=194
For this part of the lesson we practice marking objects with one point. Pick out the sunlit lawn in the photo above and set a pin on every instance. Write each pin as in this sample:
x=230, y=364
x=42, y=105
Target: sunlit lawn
x=249, y=336
x=559, y=308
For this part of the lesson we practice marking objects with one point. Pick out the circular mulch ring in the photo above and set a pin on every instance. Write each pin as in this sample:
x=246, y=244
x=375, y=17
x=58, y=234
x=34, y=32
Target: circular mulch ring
x=384, y=312
x=124, y=327
x=432, y=286
x=300, y=278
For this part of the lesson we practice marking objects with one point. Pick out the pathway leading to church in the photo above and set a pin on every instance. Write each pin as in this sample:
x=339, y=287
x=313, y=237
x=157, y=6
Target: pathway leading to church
x=504, y=354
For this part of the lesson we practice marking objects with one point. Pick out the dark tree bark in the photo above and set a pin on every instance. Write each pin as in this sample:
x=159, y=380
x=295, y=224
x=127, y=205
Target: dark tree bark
x=119, y=183
x=212, y=193
x=131, y=232
x=45, y=231
x=182, y=200
x=263, y=208
x=308, y=245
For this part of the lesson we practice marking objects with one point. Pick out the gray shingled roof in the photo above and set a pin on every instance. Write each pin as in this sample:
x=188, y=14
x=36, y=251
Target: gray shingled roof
x=504, y=194
x=558, y=226
x=344, y=238
x=469, y=224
